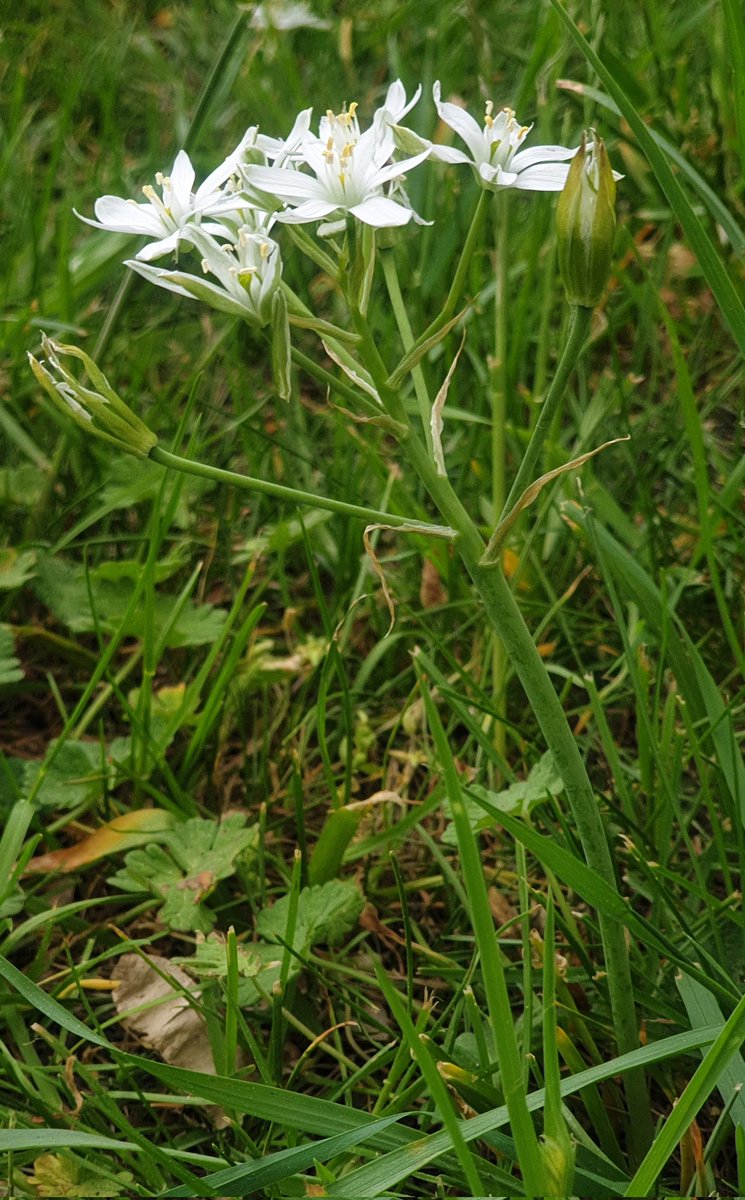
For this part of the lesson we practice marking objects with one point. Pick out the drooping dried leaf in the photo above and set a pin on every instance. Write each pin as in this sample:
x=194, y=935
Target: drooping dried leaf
x=436, y=421
x=491, y=556
x=130, y=829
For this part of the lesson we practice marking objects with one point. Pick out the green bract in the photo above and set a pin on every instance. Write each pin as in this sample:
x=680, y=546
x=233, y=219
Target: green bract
x=586, y=224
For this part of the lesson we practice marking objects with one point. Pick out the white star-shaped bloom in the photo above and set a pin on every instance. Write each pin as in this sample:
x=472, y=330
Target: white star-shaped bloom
x=165, y=217
x=245, y=275
x=350, y=170
x=495, y=153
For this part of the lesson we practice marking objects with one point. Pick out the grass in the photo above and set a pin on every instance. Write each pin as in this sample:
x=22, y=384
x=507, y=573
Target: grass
x=339, y=848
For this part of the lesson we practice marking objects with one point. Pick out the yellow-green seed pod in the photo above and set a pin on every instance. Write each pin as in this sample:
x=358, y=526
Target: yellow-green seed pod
x=586, y=224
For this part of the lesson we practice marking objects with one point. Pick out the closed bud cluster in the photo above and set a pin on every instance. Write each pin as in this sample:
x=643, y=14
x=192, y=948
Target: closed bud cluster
x=586, y=224
x=97, y=409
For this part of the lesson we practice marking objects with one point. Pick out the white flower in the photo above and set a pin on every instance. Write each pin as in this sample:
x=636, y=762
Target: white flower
x=495, y=151
x=350, y=170
x=286, y=16
x=166, y=216
x=248, y=273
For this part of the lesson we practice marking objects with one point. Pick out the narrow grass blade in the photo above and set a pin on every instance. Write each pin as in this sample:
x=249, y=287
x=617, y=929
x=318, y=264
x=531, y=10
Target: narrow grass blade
x=703, y=1010
x=250, y=1178
x=695, y=1094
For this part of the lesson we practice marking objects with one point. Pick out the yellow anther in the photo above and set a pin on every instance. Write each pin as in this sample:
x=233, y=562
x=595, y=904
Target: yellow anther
x=353, y=109
x=264, y=249
x=488, y=120
x=524, y=131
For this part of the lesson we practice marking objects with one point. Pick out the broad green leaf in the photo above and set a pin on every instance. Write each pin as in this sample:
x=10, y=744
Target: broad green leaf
x=184, y=871
x=703, y=1010
x=324, y=914
x=66, y=590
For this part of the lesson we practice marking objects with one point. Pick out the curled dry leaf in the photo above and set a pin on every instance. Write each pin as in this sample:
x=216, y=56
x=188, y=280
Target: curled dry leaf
x=157, y=1005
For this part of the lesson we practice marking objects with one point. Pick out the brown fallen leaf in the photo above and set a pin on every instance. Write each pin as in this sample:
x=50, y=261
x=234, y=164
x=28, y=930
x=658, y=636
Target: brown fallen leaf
x=124, y=832
x=158, y=1012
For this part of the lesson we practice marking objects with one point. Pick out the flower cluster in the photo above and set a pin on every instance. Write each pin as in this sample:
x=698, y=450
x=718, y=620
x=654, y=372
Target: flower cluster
x=341, y=172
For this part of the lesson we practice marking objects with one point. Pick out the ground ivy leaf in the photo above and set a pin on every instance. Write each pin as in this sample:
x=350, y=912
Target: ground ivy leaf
x=77, y=775
x=16, y=566
x=325, y=913
x=10, y=667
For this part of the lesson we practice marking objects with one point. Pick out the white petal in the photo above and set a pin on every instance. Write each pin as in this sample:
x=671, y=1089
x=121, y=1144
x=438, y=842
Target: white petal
x=397, y=169
x=285, y=184
x=381, y=212
x=544, y=177
x=217, y=177
x=124, y=216
x=540, y=154
x=463, y=124
x=312, y=210
x=158, y=249
x=194, y=288
x=496, y=177
x=448, y=154
x=395, y=101
x=182, y=178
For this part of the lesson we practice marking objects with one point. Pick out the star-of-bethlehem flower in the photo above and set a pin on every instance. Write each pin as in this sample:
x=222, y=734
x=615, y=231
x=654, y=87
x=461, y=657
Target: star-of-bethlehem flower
x=247, y=273
x=349, y=169
x=178, y=207
x=165, y=216
x=495, y=153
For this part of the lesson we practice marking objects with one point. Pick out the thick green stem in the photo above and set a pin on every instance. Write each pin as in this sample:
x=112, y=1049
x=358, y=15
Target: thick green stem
x=507, y=620
x=579, y=326
x=265, y=487
x=505, y=616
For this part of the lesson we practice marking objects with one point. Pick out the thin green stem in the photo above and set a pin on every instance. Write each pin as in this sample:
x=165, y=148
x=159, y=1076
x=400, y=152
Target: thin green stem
x=250, y=484
x=404, y=328
x=578, y=329
x=461, y=271
x=498, y=385
x=498, y=372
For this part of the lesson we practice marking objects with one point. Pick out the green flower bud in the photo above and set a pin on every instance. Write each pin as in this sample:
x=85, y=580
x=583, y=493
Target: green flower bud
x=586, y=224
x=98, y=409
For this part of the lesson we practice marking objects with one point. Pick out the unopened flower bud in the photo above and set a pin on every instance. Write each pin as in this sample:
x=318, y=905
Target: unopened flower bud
x=97, y=409
x=586, y=224
x=281, y=346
